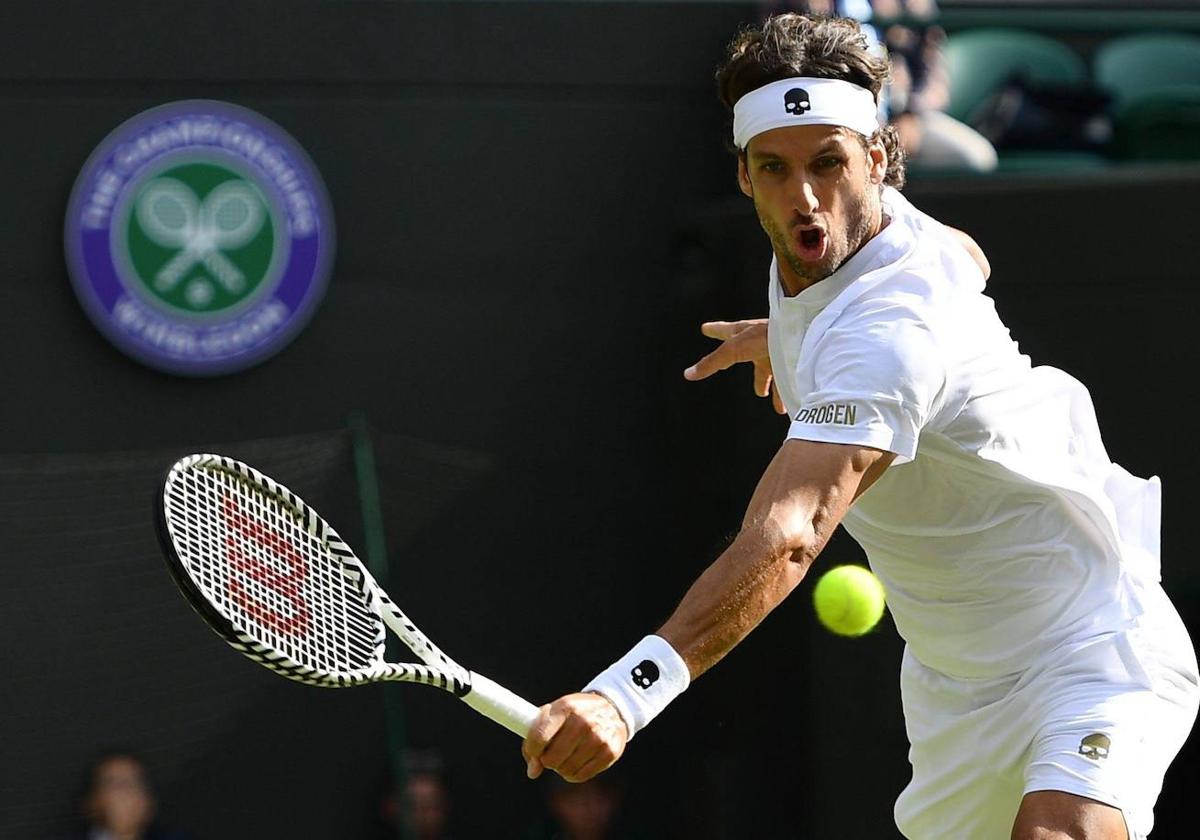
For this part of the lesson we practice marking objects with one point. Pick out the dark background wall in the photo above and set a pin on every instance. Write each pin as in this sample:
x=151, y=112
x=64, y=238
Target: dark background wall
x=534, y=214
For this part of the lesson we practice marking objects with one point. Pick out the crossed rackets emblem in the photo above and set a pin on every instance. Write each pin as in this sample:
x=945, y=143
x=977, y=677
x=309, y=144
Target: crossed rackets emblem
x=173, y=216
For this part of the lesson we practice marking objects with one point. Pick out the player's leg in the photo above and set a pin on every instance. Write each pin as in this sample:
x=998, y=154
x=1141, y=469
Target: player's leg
x=1055, y=815
x=967, y=770
x=1111, y=715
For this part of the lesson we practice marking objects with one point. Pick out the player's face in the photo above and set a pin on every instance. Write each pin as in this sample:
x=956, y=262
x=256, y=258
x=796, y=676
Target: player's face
x=816, y=190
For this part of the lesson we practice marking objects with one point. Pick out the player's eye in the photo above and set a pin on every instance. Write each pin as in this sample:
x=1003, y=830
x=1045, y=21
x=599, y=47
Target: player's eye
x=773, y=167
x=828, y=162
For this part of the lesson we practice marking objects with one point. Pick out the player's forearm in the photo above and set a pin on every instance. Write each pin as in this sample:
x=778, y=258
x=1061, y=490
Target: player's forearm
x=733, y=595
x=796, y=506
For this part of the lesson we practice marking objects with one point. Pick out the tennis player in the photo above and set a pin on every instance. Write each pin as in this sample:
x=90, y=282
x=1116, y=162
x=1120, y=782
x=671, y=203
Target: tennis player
x=1047, y=681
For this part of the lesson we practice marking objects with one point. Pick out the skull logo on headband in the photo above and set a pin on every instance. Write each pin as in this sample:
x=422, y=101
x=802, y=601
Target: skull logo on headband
x=806, y=101
x=796, y=101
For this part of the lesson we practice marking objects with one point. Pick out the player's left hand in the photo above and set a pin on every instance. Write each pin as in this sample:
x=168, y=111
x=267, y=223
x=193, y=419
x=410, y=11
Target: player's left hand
x=577, y=736
x=741, y=341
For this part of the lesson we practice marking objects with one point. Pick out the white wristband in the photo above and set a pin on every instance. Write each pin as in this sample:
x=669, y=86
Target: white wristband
x=642, y=682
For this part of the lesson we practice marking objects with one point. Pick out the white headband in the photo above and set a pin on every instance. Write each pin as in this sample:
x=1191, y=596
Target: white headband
x=804, y=101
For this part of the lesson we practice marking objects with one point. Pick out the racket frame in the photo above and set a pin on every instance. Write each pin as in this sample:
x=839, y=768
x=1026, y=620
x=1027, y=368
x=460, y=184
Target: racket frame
x=438, y=670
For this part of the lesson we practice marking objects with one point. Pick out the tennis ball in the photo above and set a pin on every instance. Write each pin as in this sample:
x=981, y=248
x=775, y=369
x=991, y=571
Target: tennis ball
x=849, y=600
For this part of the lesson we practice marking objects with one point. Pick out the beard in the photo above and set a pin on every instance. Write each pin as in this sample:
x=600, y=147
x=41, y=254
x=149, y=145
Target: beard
x=842, y=245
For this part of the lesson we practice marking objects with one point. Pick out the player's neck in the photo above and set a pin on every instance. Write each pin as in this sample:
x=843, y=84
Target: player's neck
x=793, y=283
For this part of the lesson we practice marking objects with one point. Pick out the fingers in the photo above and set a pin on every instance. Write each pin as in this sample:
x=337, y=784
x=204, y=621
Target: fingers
x=583, y=764
x=764, y=384
x=728, y=329
x=578, y=736
x=565, y=744
x=722, y=329
x=723, y=357
x=762, y=379
x=590, y=770
x=741, y=341
x=545, y=725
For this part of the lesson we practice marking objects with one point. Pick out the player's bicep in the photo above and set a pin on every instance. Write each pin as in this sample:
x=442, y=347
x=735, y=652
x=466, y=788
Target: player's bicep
x=807, y=489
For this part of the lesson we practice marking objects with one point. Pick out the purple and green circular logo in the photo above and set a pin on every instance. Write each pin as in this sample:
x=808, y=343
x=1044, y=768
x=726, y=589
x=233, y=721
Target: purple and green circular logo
x=199, y=237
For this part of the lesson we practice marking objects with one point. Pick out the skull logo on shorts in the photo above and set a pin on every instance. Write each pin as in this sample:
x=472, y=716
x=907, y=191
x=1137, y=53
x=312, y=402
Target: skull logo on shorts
x=644, y=674
x=1095, y=746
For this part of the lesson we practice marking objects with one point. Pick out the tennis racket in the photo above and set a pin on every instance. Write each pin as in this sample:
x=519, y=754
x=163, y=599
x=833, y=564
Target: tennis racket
x=274, y=580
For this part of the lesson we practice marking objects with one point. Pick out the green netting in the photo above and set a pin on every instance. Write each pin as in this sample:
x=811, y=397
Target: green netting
x=1137, y=66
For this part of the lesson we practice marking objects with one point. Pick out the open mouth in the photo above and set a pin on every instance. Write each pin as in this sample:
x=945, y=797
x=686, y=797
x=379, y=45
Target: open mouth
x=812, y=243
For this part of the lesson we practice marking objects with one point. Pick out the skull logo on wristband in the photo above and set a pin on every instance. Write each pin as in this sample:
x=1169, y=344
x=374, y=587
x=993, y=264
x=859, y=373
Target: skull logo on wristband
x=644, y=674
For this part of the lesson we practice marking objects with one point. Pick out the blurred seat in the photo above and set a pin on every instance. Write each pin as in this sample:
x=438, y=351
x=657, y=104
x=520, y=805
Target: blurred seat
x=980, y=61
x=1155, y=82
x=1135, y=66
x=1160, y=124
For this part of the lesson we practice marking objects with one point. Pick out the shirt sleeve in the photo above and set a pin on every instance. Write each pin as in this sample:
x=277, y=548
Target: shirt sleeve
x=877, y=377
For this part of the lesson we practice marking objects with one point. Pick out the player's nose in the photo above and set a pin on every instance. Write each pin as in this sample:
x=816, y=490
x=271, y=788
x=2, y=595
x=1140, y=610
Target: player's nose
x=803, y=198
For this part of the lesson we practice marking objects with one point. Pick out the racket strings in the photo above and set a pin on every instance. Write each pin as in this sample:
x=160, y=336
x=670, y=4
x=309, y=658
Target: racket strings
x=253, y=557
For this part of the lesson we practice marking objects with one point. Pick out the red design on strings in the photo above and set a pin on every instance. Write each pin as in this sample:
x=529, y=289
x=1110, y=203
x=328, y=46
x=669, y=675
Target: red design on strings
x=249, y=565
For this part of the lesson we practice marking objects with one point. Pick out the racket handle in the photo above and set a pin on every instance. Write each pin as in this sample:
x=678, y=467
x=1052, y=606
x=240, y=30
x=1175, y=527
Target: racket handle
x=498, y=703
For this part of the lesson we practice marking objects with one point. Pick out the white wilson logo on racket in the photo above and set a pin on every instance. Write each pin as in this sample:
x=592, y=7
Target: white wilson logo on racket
x=278, y=584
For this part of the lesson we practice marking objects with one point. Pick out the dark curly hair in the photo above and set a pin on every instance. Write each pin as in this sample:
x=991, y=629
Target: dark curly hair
x=790, y=45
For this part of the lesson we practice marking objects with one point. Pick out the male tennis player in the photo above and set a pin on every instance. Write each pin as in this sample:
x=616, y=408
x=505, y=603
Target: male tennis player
x=1047, y=681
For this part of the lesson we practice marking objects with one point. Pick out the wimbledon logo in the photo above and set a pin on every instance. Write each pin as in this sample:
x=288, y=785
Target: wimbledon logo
x=199, y=238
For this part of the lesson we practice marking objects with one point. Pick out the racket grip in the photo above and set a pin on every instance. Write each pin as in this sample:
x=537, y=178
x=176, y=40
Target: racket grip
x=498, y=703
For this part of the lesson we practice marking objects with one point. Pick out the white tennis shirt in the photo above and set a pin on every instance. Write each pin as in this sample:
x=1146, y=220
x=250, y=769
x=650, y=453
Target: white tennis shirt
x=1002, y=529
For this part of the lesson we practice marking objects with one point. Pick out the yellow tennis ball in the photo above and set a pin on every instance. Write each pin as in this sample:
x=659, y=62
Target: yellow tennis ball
x=849, y=600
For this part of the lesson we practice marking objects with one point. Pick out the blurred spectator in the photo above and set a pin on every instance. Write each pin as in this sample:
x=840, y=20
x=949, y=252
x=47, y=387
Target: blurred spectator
x=117, y=803
x=919, y=91
x=421, y=803
x=589, y=811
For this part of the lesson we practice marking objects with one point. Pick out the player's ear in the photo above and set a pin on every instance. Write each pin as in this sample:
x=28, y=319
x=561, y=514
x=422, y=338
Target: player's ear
x=877, y=160
x=744, y=176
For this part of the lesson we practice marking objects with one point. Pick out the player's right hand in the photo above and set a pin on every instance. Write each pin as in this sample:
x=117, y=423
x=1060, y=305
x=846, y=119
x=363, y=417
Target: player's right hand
x=741, y=341
x=577, y=736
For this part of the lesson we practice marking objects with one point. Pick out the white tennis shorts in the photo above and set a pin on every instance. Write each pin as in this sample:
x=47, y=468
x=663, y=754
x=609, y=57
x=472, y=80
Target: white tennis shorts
x=1102, y=719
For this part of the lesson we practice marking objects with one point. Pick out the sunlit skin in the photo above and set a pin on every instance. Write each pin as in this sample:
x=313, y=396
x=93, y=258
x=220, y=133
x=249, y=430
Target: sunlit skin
x=816, y=190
